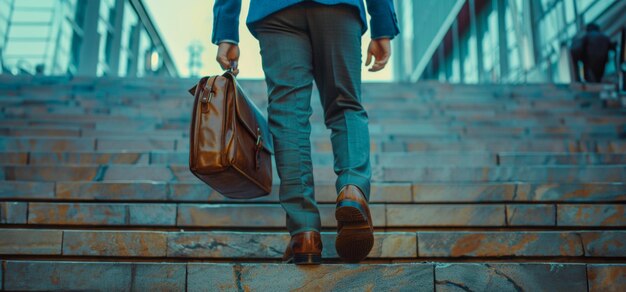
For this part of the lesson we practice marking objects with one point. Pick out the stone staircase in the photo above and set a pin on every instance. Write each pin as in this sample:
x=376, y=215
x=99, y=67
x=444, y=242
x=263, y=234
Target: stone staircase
x=484, y=187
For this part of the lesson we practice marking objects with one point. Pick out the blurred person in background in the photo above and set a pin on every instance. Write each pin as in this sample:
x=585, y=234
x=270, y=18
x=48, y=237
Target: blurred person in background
x=592, y=50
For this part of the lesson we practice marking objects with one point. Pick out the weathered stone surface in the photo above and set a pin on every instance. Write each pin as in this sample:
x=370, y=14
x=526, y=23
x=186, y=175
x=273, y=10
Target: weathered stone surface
x=591, y=215
x=182, y=173
x=531, y=215
x=498, y=244
x=122, y=191
x=193, y=192
x=28, y=241
x=14, y=158
x=51, y=173
x=606, y=277
x=439, y=158
x=47, y=144
x=25, y=189
x=45, y=132
x=618, y=147
x=445, y=215
x=550, y=174
x=88, y=158
x=510, y=277
x=604, y=243
x=401, y=277
x=13, y=212
x=159, y=277
x=67, y=276
x=115, y=243
x=213, y=277
x=560, y=159
x=165, y=157
x=324, y=193
x=216, y=215
x=385, y=193
x=126, y=173
x=386, y=245
x=77, y=214
x=226, y=244
x=445, y=193
x=591, y=192
x=255, y=215
x=152, y=214
x=272, y=245
x=500, y=146
x=108, y=144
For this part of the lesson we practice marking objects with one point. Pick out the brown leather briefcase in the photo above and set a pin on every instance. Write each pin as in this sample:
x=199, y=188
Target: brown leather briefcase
x=230, y=145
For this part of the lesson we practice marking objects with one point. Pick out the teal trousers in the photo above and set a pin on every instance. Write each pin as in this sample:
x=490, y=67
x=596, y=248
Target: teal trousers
x=301, y=44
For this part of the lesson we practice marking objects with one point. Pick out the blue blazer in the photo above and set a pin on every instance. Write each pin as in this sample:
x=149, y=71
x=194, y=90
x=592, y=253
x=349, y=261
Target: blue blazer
x=226, y=16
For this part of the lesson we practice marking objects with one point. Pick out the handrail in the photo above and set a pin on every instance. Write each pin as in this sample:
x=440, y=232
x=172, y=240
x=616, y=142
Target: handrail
x=622, y=60
x=3, y=67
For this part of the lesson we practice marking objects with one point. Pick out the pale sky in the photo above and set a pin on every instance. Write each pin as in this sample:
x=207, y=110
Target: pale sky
x=182, y=22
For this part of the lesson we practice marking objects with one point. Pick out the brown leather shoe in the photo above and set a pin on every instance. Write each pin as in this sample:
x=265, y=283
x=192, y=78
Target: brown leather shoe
x=355, y=230
x=304, y=248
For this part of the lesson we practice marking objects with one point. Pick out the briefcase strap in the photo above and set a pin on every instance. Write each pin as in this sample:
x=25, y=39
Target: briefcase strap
x=207, y=94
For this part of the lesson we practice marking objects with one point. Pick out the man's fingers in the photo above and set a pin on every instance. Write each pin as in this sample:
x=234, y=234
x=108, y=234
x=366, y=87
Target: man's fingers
x=369, y=59
x=376, y=68
x=223, y=61
x=384, y=59
x=379, y=65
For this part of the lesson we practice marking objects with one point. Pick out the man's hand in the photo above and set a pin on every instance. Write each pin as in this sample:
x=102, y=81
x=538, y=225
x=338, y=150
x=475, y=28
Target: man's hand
x=381, y=50
x=227, y=56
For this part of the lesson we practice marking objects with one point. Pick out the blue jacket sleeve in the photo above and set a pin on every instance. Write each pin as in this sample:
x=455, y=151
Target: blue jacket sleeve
x=384, y=22
x=226, y=20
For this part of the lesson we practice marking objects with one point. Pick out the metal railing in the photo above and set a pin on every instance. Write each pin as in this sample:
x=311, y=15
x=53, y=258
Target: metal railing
x=621, y=52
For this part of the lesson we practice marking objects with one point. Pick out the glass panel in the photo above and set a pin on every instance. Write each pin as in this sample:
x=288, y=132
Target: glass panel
x=596, y=9
x=29, y=16
x=570, y=14
x=145, y=47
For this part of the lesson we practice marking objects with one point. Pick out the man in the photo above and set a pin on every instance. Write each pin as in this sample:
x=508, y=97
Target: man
x=302, y=41
x=592, y=49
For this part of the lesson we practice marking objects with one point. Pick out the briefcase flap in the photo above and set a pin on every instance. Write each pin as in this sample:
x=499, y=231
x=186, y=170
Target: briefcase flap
x=247, y=113
x=251, y=117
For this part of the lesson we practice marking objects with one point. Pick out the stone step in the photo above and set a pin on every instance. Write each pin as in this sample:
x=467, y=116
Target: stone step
x=467, y=123
x=560, y=158
x=118, y=97
x=377, y=159
x=403, y=143
x=137, y=191
x=370, y=92
x=376, y=126
x=271, y=245
x=436, y=174
x=396, y=143
x=143, y=276
x=180, y=158
x=550, y=174
x=379, y=125
x=116, y=101
x=271, y=215
x=535, y=120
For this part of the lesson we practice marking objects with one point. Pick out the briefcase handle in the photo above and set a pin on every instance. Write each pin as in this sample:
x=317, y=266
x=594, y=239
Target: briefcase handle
x=233, y=66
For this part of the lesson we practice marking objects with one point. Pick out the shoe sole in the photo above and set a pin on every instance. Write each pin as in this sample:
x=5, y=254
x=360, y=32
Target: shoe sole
x=355, y=239
x=307, y=259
